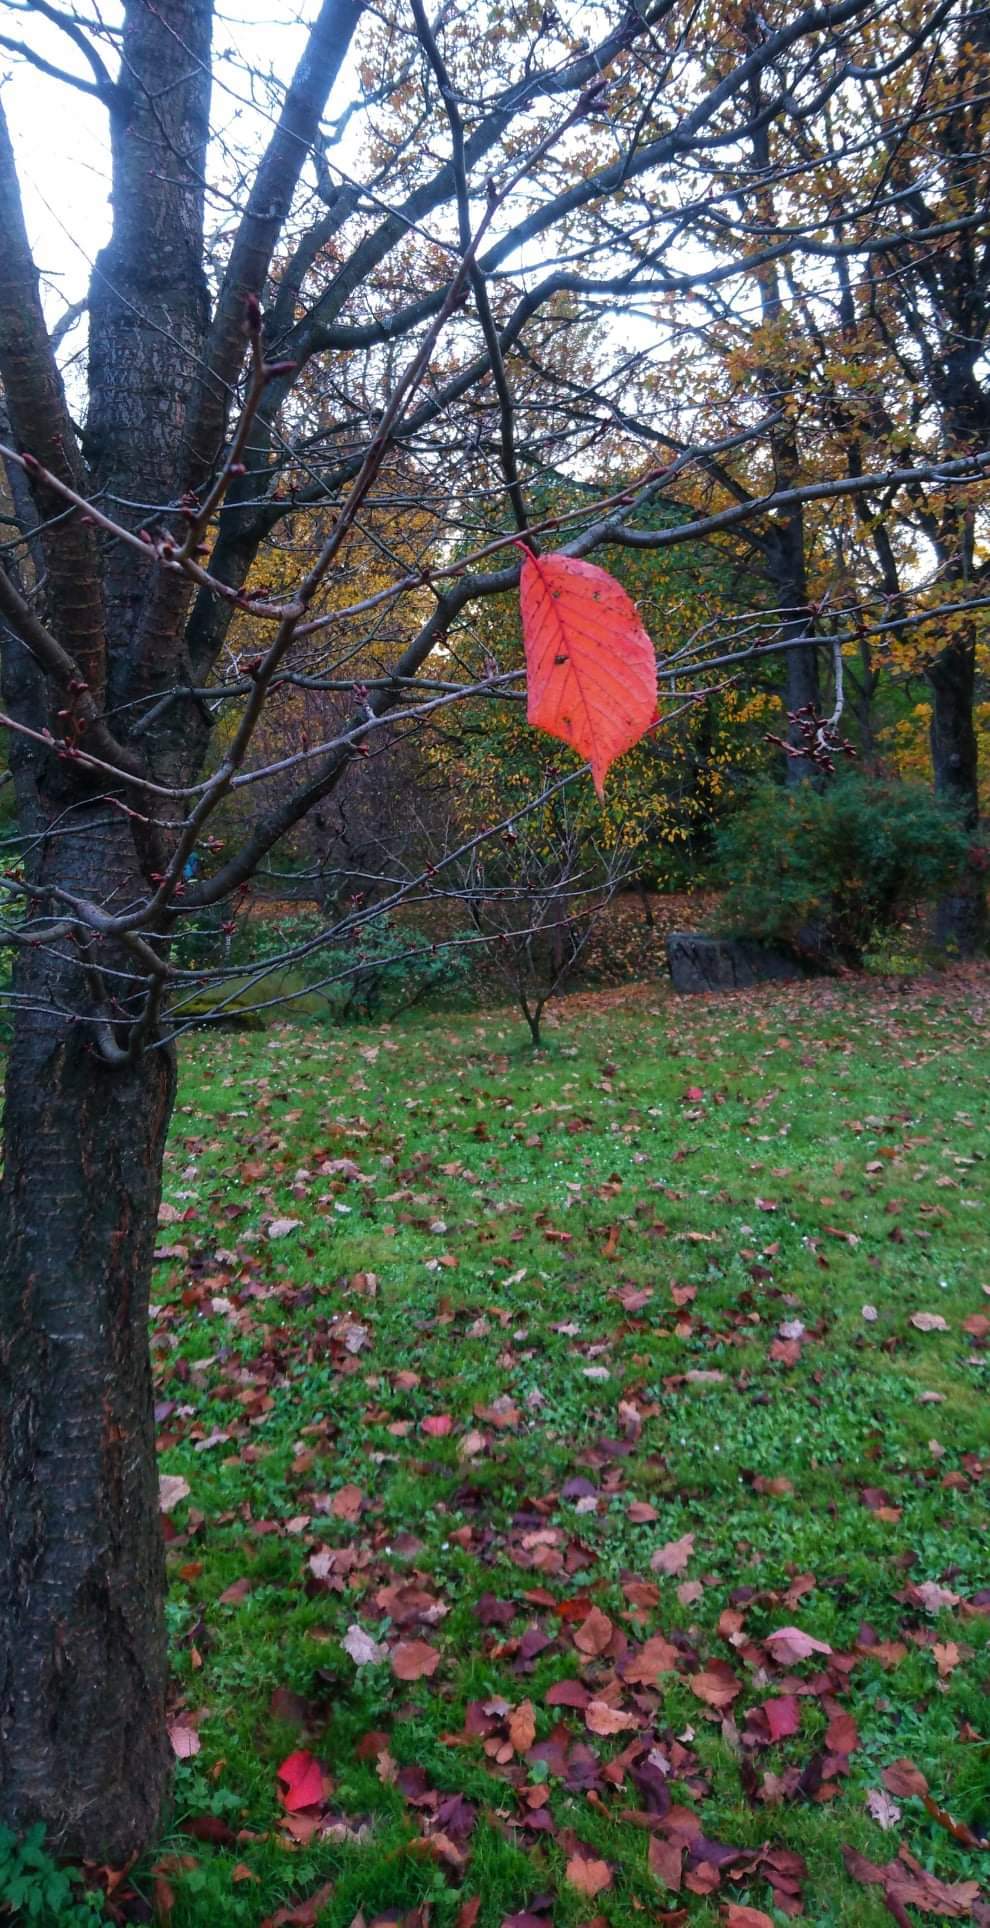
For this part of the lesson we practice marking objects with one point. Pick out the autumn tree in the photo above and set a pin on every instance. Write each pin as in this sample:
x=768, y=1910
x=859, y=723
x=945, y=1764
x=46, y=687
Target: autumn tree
x=293, y=309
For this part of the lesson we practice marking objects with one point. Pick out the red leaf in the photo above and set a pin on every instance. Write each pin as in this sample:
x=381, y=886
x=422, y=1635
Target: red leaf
x=736, y=1916
x=303, y=1781
x=783, y=1716
x=590, y=666
x=841, y=1734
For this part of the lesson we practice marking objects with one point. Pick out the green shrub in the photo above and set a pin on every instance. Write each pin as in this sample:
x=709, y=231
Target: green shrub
x=33, y=1888
x=385, y=968
x=824, y=873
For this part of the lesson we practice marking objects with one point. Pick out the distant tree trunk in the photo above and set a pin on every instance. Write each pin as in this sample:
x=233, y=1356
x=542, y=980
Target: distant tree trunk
x=803, y=686
x=961, y=916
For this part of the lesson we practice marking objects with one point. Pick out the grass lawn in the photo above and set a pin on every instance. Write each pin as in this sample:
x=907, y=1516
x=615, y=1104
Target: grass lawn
x=521, y=1402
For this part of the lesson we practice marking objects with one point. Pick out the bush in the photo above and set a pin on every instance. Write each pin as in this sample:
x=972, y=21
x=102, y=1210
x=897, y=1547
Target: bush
x=388, y=970
x=824, y=873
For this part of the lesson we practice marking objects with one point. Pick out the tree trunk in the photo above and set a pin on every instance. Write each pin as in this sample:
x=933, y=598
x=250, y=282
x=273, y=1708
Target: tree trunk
x=961, y=916
x=83, y=1745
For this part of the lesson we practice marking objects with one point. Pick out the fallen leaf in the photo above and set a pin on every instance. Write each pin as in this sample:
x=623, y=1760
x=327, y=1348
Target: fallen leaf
x=735, y=1915
x=602, y=1719
x=717, y=1686
x=842, y=1734
x=185, y=1741
x=172, y=1490
x=665, y=1860
x=792, y=1643
x=304, y=1914
x=594, y=1634
x=363, y=1650
x=302, y=1778
x=414, y=1660
x=522, y=1727
x=281, y=1227
x=655, y=1657
x=929, y=1322
x=590, y=1878
x=673, y=1557
x=884, y=1811
x=347, y=1502
x=783, y=1716
x=902, y=1777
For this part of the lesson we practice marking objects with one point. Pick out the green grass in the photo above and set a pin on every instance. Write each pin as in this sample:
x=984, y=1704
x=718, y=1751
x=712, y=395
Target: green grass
x=835, y=1159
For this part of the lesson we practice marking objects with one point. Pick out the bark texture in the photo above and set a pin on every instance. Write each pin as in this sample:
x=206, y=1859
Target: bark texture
x=82, y=1671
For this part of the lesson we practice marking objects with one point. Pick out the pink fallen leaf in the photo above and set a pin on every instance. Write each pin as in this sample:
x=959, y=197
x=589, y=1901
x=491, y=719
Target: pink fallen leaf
x=437, y=1425
x=363, y=1650
x=929, y=1322
x=185, y=1741
x=172, y=1490
x=792, y=1643
x=883, y=1810
x=281, y=1227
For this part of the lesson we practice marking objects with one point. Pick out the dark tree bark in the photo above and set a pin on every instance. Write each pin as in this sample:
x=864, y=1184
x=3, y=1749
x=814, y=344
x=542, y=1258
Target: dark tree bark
x=82, y=1676
x=961, y=915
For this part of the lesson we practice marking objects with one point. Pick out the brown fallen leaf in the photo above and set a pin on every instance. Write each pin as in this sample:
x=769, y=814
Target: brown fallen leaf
x=590, y=1878
x=665, y=1860
x=842, y=1734
x=929, y=1322
x=414, y=1660
x=522, y=1727
x=594, y=1634
x=347, y=1502
x=305, y=1914
x=673, y=1557
x=903, y=1778
x=602, y=1719
x=735, y=1915
x=655, y=1657
x=717, y=1686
